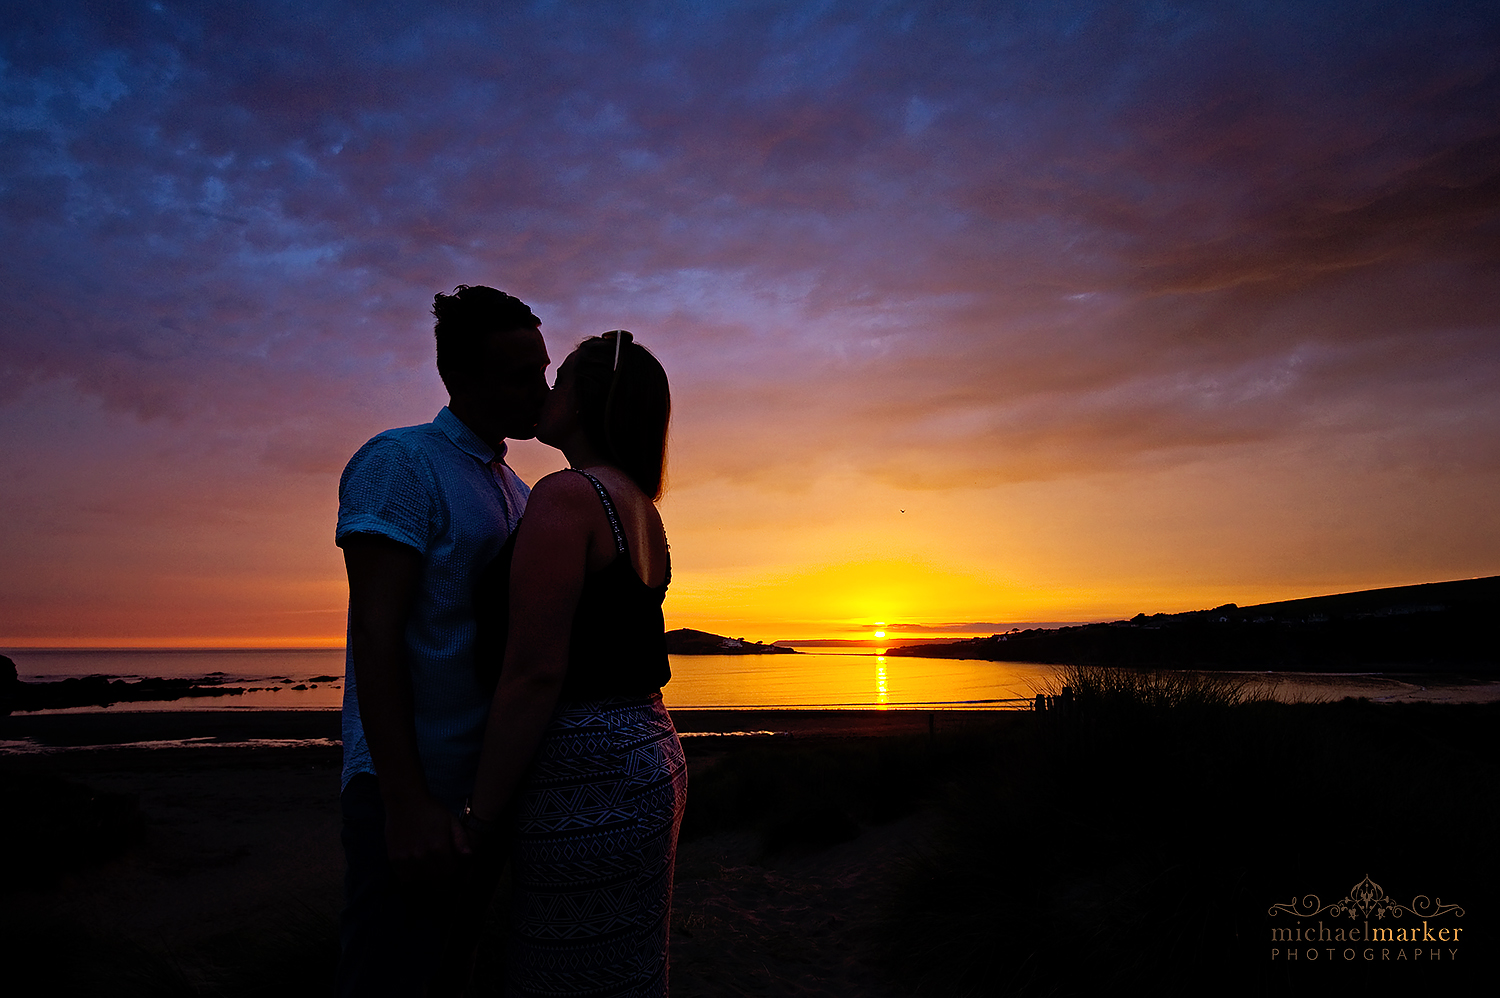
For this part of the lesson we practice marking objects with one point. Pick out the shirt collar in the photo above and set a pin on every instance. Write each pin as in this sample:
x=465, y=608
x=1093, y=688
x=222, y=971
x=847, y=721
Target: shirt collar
x=466, y=439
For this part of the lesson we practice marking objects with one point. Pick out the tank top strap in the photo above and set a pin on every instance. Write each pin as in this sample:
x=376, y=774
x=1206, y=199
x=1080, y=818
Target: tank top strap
x=609, y=509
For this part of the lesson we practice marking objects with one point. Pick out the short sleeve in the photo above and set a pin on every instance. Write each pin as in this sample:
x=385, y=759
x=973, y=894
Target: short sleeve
x=390, y=491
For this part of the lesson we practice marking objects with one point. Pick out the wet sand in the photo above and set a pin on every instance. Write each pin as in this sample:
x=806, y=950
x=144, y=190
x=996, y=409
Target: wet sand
x=120, y=727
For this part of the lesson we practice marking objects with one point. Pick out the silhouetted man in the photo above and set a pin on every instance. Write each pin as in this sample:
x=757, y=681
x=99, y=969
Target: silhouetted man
x=422, y=510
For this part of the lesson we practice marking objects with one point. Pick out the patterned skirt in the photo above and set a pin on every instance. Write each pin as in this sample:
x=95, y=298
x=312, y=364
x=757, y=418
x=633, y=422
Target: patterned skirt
x=596, y=842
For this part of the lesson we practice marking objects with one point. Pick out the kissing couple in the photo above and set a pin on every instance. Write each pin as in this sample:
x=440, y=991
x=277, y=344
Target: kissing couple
x=506, y=653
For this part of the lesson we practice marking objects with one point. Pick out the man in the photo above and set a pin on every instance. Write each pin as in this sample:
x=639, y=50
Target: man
x=422, y=510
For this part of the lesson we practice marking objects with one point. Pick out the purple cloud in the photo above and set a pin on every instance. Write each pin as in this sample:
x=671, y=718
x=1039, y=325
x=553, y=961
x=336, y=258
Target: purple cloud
x=941, y=245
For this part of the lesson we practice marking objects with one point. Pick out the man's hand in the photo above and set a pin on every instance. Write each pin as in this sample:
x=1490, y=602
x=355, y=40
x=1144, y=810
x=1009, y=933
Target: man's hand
x=423, y=839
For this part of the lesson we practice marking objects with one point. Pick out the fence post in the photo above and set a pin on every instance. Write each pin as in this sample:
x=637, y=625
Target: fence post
x=1041, y=701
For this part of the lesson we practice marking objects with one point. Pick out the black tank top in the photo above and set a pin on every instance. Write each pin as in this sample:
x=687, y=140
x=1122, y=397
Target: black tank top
x=618, y=645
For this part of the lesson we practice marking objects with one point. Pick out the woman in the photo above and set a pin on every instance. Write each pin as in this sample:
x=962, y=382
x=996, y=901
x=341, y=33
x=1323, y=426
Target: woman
x=579, y=753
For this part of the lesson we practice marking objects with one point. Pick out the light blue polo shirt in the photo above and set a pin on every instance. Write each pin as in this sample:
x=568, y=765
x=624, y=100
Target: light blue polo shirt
x=440, y=489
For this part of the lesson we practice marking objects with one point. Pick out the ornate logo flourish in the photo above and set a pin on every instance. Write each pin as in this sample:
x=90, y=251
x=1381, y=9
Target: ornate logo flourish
x=1366, y=898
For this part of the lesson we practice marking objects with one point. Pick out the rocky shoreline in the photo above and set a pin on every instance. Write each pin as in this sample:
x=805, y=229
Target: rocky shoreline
x=106, y=691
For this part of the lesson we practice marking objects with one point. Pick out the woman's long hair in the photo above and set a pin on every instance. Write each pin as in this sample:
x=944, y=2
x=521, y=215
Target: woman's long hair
x=625, y=405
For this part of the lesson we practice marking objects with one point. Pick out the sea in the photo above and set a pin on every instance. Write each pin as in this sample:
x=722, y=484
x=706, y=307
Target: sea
x=314, y=679
x=854, y=679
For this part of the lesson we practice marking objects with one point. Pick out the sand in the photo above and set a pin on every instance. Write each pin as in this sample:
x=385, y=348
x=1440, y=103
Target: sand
x=239, y=840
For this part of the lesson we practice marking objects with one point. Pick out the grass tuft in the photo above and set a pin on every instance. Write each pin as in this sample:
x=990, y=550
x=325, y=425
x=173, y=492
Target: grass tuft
x=1116, y=689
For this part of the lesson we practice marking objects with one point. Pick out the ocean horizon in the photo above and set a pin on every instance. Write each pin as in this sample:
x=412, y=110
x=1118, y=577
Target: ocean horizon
x=845, y=678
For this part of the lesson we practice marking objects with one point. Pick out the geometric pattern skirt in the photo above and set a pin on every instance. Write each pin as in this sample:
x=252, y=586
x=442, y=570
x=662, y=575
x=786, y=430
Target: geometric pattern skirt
x=598, y=814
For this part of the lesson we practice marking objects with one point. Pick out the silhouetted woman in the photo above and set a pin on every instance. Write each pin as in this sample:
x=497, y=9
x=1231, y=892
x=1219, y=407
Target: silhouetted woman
x=579, y=753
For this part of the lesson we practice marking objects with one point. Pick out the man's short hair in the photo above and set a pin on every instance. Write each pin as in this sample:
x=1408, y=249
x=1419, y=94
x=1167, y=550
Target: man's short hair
x=464, y=320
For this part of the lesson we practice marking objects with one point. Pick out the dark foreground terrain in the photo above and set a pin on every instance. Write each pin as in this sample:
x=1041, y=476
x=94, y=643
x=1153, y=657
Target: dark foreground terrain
x=1136, y=840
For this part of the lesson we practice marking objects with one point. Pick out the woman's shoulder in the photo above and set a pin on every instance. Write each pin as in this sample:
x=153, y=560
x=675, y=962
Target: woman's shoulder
x=563, y=501
x=566, y=487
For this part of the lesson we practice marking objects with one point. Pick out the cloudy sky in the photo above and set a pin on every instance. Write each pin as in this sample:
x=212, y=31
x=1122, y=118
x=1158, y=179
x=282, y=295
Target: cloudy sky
x=974, y=312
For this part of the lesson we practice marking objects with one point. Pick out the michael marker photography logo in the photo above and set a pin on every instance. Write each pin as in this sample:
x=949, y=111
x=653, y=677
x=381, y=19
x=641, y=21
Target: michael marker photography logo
x=1367, y=926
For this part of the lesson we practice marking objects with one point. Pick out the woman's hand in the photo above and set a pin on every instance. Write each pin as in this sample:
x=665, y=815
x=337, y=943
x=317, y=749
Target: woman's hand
x=483, y=834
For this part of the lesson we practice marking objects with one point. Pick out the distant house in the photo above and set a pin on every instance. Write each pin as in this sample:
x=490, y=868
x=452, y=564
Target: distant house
x=685, y=641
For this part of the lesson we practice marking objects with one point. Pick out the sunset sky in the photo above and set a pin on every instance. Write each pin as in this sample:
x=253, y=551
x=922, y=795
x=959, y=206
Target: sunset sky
x=975, y=314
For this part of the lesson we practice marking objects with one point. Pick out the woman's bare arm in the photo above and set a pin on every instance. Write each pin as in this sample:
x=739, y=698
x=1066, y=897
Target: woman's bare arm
x=547, y=573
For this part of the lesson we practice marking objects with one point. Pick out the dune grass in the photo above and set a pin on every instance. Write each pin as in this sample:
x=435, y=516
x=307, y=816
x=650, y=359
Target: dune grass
x=1120, y=689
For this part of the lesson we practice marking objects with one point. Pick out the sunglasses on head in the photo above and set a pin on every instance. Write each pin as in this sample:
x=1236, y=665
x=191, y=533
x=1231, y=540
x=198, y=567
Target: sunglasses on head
x=621, y=337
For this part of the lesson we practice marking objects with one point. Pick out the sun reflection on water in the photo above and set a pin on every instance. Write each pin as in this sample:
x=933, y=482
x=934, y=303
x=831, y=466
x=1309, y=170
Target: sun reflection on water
x=882, y=691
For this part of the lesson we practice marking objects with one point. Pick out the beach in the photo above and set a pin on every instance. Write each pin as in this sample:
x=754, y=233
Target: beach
x=226, y=875
x=239, y=840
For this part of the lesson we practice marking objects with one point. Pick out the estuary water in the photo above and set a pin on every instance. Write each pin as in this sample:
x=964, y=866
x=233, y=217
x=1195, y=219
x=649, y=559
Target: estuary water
x=314, y=680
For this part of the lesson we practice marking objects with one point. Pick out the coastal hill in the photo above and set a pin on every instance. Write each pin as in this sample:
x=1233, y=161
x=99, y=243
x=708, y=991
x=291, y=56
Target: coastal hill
x=686, y=641
x=1438, y=625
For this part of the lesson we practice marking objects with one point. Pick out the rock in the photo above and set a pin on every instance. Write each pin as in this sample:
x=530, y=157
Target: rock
x=686, y=641
x=10, y=685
